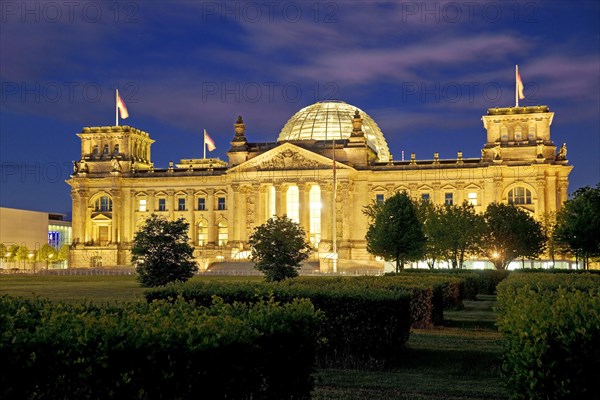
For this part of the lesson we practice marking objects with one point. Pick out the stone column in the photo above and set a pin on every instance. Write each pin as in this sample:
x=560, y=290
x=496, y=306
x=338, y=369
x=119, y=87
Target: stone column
x=541, y=198
x=259, y=204
x=171, y=203
x=150, y=204
x=191, y=216
x=76, y=216
x=304, y=203
x=563, y=186
x=551, y=195
x=326, y=213
x=233, y=225
x=460, y=192
x=210, y=217
x=116, y=215
x=280, y=199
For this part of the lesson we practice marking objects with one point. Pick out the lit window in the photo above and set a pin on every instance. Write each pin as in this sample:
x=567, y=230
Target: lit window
x=202, y=233
x=142, y=206
x=201, y=204
x=271, y=204
x=222, y=235
x=181, y=204
x=104, y=204
x=315, y=215
x=425, y=197
x=293, y=204
x=162, y=204
x=519, y=195
x=380, y=198
x=448, y=199
x=472, y=198
x=221, y=205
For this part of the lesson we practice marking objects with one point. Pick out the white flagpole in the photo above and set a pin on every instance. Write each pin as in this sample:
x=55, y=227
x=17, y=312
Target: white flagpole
x=204, y=146
x=117, y=107
x=516, y=86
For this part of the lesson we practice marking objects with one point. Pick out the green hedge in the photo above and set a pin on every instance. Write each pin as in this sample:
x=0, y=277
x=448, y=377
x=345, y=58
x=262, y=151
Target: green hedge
x=477, y=281
x=360, y=326
x=157, y=351
x=551, y=328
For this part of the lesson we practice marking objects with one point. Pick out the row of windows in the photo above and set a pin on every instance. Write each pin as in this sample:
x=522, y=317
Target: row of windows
x=518, y=195
x=448, y=198
x=181, y=204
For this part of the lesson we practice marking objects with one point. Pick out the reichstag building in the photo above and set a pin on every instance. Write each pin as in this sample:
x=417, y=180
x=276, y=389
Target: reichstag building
x=328, y=162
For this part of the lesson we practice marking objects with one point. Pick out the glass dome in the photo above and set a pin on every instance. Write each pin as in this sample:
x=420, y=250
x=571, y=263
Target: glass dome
x=331, y=119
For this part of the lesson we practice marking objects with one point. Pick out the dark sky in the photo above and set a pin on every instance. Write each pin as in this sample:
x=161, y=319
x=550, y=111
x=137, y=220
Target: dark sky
x=425, y=71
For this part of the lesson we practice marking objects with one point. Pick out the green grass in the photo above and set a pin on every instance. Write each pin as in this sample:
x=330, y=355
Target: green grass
x=459, y=361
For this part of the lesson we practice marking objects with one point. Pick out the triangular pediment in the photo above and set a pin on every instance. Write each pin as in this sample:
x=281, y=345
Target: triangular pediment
x=288, y=156
x=101, y=217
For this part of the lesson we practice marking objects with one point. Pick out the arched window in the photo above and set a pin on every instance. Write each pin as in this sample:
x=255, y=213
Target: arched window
x=116, y=149
x=202, y=233
x=95, y=150
x=222, y=234
x=315, y=215
x=105, y=150
x=519, y=195
x=293, y=204
x=103, y=204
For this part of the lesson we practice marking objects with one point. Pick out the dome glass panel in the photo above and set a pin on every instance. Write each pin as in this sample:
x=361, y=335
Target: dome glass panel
x=329, y=120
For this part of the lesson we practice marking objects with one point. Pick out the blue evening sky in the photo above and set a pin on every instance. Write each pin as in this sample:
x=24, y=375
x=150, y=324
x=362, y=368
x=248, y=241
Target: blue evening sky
x=425, y=71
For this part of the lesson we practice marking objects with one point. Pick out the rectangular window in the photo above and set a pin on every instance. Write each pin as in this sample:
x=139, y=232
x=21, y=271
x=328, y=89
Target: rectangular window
x=380, y=198
x=162, y=204
x=181, y=204
x=425, y=197
x=201, y=204
x=472, y=198
x=448, y=199
x=142, y=206
x=221, y=203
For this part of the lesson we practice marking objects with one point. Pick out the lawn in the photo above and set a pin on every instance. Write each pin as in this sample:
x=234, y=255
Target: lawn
x=459, y=361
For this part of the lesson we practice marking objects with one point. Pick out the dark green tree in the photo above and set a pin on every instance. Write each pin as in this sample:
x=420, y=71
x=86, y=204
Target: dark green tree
x=459, y=232
x=395, y=232
x=279, y=247
x=161, y=252
x=429, y=215
x=510, y=233
x=578, y=224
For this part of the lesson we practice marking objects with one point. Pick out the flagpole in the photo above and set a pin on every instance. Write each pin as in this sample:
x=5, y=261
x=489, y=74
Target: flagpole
x=117, y=107
x=204, y=145
x=334, y=243
x=516, y=86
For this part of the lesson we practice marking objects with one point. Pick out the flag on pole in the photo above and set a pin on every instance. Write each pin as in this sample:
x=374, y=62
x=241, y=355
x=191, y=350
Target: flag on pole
x=209, y=142
x=519, y=85
x=121, y=106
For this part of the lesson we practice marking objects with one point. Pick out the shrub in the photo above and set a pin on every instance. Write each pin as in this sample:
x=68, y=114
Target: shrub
x=157, y=351
x=360, y=326
x=551, y=328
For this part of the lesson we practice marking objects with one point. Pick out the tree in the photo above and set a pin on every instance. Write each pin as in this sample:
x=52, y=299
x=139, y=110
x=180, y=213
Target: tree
x=48, y=254
x=460, y=231
x=395, y=232
x=161, y=252
x=510, y=233
x=578, y=223
x=279, y=247
x=63, y=253
x=548, y=223
x=429, y=215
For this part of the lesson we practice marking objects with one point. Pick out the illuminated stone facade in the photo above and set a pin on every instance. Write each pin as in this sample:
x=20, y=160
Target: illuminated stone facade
x=115, y=186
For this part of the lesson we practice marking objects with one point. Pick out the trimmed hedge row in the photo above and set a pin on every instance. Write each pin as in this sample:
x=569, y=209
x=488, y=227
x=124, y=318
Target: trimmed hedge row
x=360, y=327
x=161, y=350
x=478, y=281
x=551, y=328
